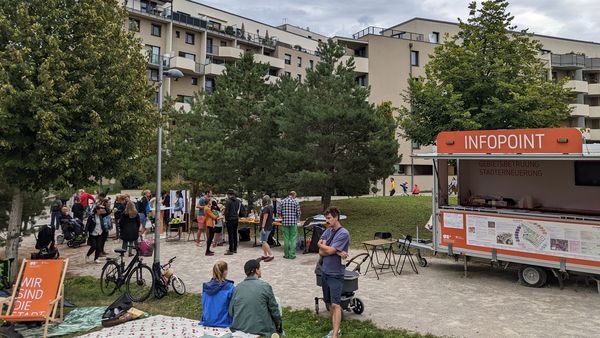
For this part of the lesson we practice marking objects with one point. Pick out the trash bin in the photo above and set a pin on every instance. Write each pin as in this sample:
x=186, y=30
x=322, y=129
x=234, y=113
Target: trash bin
x=244, y=234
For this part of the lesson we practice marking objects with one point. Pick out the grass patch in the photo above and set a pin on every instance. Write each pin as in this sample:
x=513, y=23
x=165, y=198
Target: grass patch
x=85, y=291
x=397, y=215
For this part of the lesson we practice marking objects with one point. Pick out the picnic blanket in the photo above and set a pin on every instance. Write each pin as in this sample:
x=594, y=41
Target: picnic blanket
x=164, y=326
x=79, y=320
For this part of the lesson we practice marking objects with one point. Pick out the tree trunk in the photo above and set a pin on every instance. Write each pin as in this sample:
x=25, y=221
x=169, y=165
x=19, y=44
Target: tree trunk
x=325, y=200
x=14, y=230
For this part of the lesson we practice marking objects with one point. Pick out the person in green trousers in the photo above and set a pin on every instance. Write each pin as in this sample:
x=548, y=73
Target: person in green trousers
x=289, y=209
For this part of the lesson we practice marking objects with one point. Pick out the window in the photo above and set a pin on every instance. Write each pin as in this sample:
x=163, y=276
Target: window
x=423, y=170
x=288, y=59
x=155, y=30
x=184, y=99
x=148, y=6
x=362, y=81
x=299, y=61
x=299, y=77
x=153, y=74
x=209, y=87
x=154, y=98
x=188, y=55
x=209, y=45
x=177, y=34
x=214, y=25
x=154, y=54
x=189, y=38
x=288, y=74
x=194, y=81
x=434, y=37
x=311, y=64
x=134, y=25
x=223, y=43
x=414, y=58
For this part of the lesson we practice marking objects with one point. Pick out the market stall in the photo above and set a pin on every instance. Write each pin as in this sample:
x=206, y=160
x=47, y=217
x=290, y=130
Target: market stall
x=529, y=197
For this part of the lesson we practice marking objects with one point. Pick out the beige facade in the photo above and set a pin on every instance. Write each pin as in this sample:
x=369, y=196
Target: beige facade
x=199, y=40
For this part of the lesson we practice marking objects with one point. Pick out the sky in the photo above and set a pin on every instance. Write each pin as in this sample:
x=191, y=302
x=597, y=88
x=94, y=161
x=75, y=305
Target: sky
x=575, y=19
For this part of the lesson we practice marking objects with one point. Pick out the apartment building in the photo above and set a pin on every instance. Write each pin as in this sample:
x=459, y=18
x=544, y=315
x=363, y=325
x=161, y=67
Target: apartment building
x=199, y=40
x=393, y=54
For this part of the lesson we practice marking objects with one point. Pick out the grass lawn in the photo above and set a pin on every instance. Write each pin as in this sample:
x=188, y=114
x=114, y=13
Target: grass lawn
x=85, y=291
x=399, y=215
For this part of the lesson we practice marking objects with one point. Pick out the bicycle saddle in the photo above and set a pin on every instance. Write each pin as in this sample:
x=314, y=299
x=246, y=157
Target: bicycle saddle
x=120, y=251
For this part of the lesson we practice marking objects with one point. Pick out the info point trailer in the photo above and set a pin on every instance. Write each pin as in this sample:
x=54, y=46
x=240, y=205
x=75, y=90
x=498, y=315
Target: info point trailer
x=529, y=197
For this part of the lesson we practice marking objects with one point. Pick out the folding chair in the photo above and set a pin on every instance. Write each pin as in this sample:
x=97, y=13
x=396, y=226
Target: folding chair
x=404, y=246
x=38, y=294
x=193, y=228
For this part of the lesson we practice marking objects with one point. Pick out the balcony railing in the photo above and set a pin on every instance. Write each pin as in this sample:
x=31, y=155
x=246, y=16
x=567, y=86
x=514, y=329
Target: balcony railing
x=568, y=60
x=154, y=59
x=592, y=63
x=404, y=35
x=147, y=8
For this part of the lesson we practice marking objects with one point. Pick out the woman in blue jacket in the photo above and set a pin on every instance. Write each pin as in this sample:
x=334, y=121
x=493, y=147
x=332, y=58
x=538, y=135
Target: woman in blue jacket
x=216, y=296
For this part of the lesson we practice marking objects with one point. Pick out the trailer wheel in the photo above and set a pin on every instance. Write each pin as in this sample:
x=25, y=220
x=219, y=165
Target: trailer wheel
x=532, y=276
x=422, y=262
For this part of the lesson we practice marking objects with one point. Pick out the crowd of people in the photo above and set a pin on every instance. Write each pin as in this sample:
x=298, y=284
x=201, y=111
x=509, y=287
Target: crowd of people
x=251, y=305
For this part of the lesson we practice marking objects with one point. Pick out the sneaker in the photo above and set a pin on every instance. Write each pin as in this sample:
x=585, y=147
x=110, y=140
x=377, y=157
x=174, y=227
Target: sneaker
x=228, y=253
x=210, y=253
x=330, y=334
x=275, y=335
x=97, y=261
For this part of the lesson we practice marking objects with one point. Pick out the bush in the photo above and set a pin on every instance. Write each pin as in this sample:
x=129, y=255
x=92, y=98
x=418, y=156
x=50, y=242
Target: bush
x=131, y=182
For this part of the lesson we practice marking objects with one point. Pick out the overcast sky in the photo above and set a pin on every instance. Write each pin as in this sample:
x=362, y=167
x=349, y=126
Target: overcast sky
x=576, y=19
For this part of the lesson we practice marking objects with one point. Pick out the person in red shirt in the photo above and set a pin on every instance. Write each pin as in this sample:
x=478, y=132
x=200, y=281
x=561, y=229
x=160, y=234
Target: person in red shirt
x=84, y=198
x=416, y=190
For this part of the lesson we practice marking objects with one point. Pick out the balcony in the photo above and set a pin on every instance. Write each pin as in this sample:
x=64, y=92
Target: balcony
x=595, y=112
x=228, y=52
x=154, y=59
x=273, y=62
x=568, y=61
x=361, y=64
x=149, y=9
x=272, y=79
x=210, y=69
x=594, y=89
x=595, y=134
x=182, y=105
x=404, y=35
x=577, y=86
x=580, y=109
x=183, y=64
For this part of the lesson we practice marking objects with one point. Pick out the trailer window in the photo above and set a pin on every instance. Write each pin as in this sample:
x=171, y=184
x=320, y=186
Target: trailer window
x=587, y=173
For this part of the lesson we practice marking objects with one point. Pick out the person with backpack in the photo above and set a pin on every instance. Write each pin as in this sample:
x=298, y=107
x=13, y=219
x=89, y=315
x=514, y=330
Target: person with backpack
x=106, y=220
x=233, y=210
x=55, y=210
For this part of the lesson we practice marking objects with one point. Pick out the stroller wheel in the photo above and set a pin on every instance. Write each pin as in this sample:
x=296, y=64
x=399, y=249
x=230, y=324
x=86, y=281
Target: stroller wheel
x=317, y=305
x=357, y=305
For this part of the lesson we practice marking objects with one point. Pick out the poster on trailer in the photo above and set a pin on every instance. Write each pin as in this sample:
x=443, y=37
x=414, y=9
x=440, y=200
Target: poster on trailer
x=529, y=235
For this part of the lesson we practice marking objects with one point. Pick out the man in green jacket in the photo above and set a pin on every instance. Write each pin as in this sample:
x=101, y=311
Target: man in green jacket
x=253, y=305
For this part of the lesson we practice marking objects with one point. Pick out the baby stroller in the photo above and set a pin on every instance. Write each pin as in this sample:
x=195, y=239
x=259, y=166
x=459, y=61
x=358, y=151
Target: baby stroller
x=44, y=242
x=73, y=233
x=349, y=302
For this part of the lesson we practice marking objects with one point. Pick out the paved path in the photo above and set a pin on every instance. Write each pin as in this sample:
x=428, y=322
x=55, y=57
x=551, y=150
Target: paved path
x=490, y=303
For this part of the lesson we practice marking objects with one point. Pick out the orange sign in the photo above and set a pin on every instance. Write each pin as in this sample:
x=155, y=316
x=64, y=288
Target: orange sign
x=39, y=286
x=516, y=141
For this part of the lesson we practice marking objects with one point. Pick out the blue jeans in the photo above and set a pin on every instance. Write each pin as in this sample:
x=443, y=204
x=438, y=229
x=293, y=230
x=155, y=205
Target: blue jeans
x=55, y=219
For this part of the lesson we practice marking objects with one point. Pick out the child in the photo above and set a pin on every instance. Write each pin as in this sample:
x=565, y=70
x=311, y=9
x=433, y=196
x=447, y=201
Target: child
x=78, y=209
x=219, y=224
x=216, y=295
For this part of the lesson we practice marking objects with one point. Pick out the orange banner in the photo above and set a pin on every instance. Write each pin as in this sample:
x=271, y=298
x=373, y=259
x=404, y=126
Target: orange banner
x=39, y=286
x=517, y=141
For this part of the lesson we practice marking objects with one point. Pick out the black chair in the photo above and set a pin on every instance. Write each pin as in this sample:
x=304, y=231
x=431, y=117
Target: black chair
x=404, y=246
x=382, y=235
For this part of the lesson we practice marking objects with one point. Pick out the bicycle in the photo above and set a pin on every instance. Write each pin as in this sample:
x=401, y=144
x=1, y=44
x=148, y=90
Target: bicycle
x=171, y=279
x=137, y=277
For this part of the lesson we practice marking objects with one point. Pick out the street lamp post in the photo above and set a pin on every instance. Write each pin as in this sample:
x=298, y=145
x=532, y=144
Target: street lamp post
x=173, y=73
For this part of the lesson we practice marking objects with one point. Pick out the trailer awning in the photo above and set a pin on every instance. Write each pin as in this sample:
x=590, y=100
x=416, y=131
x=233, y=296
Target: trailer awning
x=557, y=157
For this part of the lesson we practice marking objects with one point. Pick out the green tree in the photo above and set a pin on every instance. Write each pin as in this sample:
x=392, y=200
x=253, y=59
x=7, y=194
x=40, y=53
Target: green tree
x=488, y=76
x=74, y=99
x=220, y=142
x=332, y=138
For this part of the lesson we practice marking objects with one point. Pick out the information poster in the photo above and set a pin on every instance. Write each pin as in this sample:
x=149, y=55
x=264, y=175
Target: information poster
x=454, y=220
x=544, y=237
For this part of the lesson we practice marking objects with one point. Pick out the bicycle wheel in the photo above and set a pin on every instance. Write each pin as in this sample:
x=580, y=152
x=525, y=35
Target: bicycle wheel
x=140, y=283
x=178, y=285
x=109, y=278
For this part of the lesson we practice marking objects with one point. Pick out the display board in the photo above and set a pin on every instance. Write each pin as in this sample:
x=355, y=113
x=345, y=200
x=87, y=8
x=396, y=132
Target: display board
x=564, y=239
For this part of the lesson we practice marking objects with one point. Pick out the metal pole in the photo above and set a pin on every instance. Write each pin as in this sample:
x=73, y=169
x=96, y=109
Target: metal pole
x=157, y=219
x=412, y=161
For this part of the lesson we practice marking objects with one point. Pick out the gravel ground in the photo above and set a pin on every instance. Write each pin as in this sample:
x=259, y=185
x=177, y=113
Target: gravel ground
x=439, y=300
